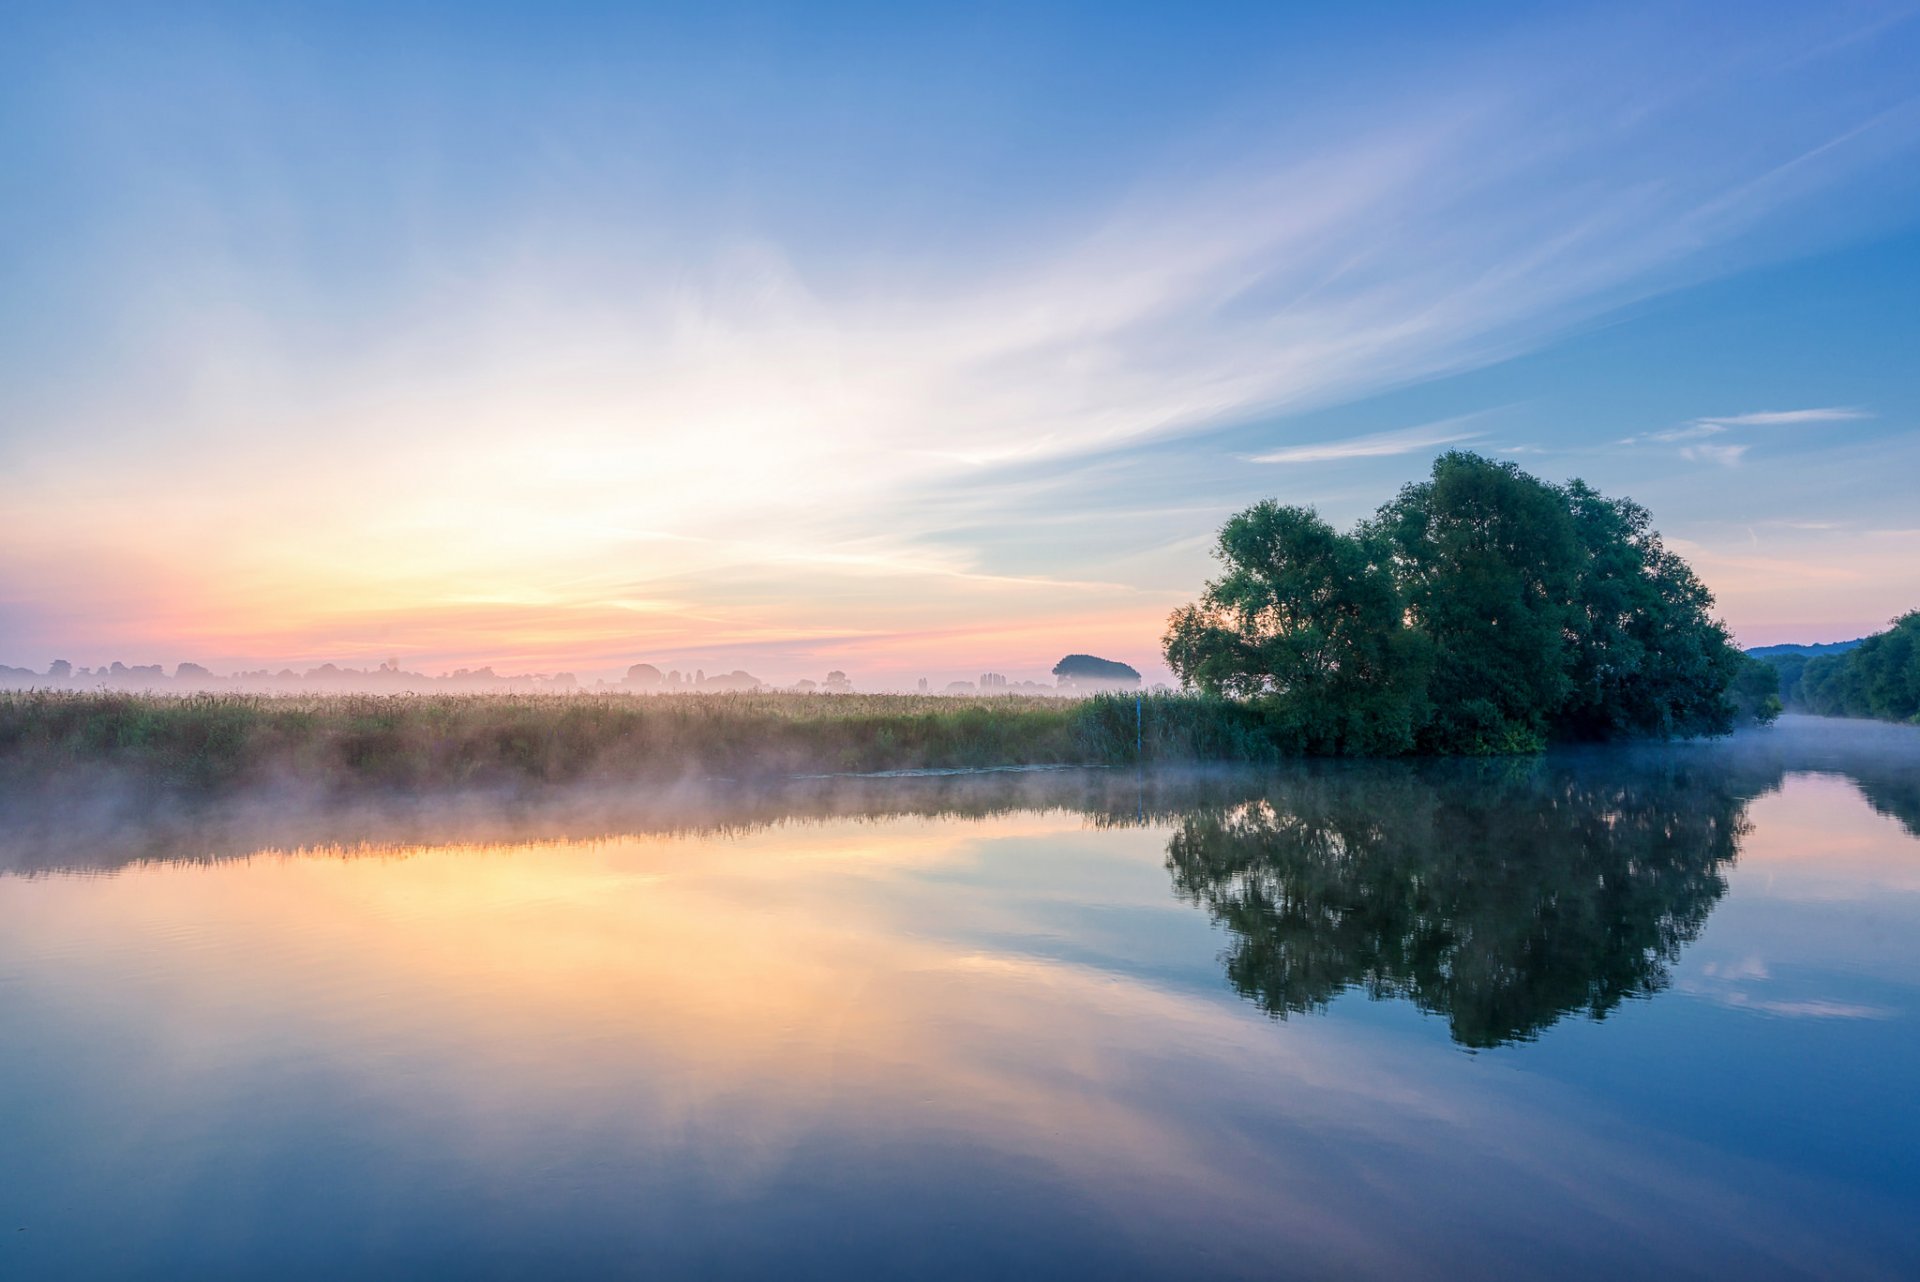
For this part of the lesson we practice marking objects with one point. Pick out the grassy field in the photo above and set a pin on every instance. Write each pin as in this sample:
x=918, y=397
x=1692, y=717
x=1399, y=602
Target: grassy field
x=214, y=741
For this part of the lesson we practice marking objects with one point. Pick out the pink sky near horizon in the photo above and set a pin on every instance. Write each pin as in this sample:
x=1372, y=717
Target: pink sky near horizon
x=886, y=628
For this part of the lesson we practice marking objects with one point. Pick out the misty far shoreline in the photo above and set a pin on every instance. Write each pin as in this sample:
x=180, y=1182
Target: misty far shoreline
x=1075, y=675
x=219, y=742
x=358, y=745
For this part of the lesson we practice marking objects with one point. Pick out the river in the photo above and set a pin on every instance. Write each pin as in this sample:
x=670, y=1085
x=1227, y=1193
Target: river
x=1608, y=1013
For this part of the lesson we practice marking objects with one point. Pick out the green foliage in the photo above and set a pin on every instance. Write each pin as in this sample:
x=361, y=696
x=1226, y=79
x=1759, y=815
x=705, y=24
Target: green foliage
x=1878, y=678
x=203, y=742
x=1309, y=623
x=1756, y=692
x=1487, y=558
x=1788, y=668
x=1648, y=659
x=1482, y=611
x=1120, y=729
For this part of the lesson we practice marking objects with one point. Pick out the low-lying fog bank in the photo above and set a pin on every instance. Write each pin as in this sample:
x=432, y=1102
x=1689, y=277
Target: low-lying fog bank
x=97, y=818
x=356, y=742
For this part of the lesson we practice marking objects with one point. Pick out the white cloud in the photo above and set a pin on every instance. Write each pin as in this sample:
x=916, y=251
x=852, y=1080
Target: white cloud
x=1702, y=429
x=1784, y=418
x=1410, y=440
x=1725, y=455
x=1691, y=432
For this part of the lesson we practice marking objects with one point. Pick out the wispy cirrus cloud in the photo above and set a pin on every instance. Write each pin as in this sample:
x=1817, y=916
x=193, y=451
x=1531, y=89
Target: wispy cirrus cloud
x=1409, y=440
x=1697, y=438
x=1674, y=435
x=1725, y=455
x=1785, y=418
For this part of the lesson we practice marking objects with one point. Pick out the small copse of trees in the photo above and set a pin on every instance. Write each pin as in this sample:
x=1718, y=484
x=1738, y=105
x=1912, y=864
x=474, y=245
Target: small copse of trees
x=1088, y=672
x=1480, y=611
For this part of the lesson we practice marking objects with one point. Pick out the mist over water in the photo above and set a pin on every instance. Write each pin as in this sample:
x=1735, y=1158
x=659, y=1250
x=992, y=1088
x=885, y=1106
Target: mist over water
x=1462, y=1018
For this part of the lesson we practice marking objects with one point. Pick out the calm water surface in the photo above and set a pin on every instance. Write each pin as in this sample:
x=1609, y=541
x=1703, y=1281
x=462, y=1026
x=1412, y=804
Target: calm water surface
x=1576, y=1018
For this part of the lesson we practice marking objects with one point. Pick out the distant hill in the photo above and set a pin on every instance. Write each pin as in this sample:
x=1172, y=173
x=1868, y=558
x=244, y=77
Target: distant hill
x=1821, y=647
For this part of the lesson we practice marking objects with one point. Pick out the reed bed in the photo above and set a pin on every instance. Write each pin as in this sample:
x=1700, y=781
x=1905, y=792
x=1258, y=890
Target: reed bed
x=209, y=741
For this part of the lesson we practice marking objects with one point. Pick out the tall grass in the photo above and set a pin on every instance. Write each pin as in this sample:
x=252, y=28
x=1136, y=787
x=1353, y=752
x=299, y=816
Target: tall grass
x=211, y=741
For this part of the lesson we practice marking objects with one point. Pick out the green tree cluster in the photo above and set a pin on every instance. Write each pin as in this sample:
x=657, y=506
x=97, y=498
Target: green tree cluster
x=1878, y=678
x=1788, y=669
x=1480, y=611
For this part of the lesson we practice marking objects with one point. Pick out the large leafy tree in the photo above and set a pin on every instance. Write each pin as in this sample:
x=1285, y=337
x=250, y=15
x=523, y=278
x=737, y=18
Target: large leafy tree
x=1308, y=620
x=1646, y=656
x=1488, y=558
x=1480, y=611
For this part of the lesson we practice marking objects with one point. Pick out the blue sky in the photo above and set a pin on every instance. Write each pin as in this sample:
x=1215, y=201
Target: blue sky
x=917, y=343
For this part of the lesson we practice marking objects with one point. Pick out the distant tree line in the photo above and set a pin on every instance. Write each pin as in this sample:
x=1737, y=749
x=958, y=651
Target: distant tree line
x=1480, y=611
x=1879, y=677
x=194, y=678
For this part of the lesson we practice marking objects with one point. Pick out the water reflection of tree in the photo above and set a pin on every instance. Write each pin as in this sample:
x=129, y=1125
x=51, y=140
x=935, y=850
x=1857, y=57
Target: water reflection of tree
x=1502, y=897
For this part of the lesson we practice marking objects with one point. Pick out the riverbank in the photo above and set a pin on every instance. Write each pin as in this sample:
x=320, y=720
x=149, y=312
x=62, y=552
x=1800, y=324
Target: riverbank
x=206, y=742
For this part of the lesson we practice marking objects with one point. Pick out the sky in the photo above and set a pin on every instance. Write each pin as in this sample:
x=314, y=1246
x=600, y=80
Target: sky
x=917, y=340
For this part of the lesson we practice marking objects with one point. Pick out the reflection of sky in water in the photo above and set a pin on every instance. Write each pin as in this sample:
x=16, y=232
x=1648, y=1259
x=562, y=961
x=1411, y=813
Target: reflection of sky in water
x=940, y=1046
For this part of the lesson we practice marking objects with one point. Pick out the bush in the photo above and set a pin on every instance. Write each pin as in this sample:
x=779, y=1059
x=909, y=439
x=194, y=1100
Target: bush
x=410, y=742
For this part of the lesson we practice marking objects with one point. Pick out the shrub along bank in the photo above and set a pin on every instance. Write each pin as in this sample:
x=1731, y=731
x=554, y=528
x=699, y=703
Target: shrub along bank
x=208, y=741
